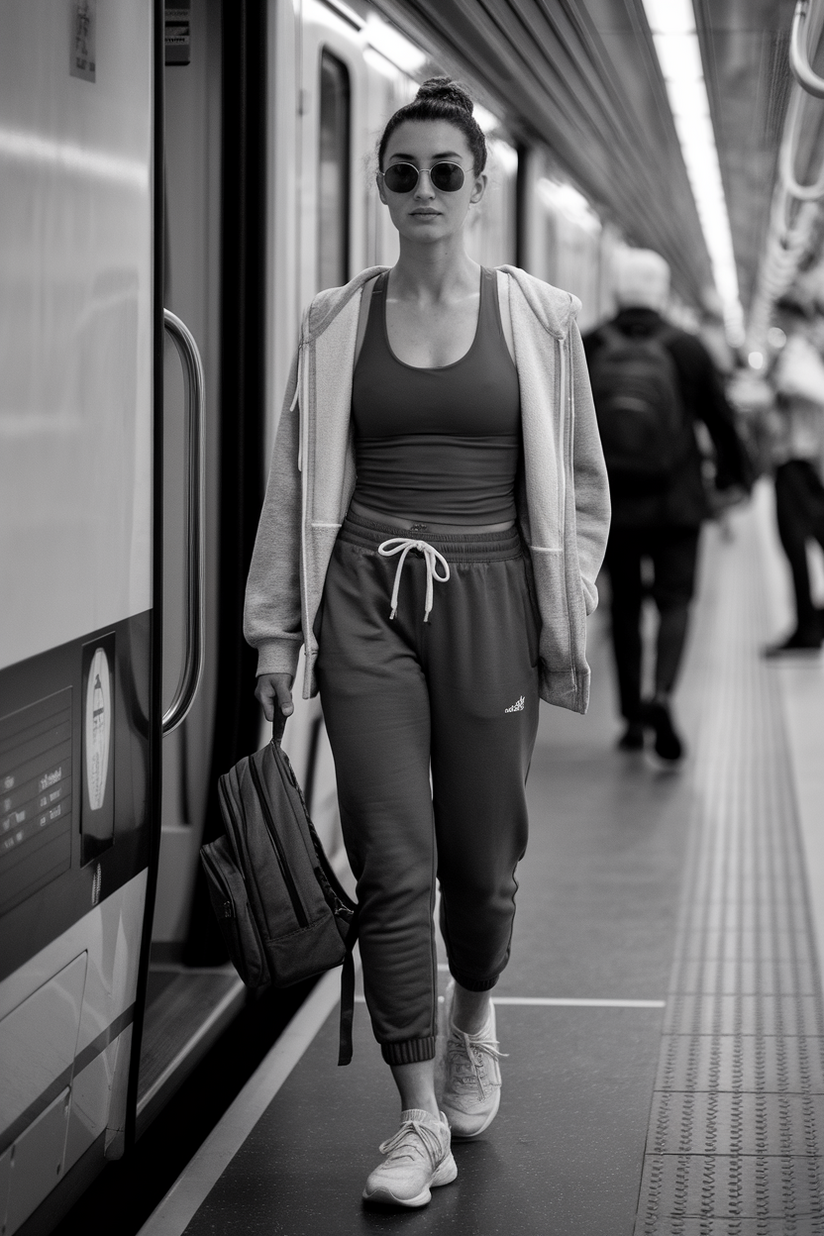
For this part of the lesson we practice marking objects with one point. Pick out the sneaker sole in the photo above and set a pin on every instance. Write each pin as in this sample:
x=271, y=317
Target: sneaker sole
x=446, y=1173
x=460, y=1136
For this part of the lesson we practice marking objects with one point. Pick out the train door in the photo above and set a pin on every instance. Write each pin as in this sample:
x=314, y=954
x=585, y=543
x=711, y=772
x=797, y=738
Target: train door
x=563, y=239
x=215, y=176
x=492, y=234
x=332, y=90
x=231, y=86
x=80, y=332
x=316, y=238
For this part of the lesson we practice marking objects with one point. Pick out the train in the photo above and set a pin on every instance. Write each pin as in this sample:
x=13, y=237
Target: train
x=177, y=181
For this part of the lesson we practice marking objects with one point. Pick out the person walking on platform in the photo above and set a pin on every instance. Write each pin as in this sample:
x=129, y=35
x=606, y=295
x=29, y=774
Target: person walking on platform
x=651, y=382
x=798, y=381
x=435, y=519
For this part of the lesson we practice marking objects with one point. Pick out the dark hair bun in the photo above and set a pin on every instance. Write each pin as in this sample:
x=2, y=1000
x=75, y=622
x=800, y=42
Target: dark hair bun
x=445, y=90
x=439, y=99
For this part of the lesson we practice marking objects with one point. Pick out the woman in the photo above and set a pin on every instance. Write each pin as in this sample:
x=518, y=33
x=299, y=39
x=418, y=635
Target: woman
x=438, y=437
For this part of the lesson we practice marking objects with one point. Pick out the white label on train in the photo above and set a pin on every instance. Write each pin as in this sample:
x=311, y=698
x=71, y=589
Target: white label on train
x=98, y=728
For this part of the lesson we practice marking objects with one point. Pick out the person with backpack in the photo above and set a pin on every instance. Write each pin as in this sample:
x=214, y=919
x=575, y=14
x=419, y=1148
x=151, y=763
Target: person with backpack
x=651, y=382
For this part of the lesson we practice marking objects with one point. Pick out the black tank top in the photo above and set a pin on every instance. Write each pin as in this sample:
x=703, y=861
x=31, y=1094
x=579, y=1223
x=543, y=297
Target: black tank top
x=440, y=444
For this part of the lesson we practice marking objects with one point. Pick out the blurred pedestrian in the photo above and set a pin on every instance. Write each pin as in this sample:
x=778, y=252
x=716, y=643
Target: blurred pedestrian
x=651, y=382
x=798, y=380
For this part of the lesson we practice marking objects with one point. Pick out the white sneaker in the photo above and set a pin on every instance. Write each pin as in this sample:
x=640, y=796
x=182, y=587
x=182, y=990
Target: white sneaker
x=418, y=1158
x=470, y=1076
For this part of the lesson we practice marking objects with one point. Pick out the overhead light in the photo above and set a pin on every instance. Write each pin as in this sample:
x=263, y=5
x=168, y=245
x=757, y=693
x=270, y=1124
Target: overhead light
x=487, y=121
x=394, y=45
x=670, y=16
x=688, y=98
x=679, y=56
x=504, y=155
x=353, y=18
x=674, y=34
x=376, y=61
x=567, y=201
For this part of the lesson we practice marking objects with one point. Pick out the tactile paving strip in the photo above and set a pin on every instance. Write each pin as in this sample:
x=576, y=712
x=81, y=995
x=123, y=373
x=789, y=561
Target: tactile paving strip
x=736, y=1137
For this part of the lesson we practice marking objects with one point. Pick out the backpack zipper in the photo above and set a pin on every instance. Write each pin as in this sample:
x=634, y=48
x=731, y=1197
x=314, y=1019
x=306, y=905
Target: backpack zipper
x=288, y=878
x=228, y=907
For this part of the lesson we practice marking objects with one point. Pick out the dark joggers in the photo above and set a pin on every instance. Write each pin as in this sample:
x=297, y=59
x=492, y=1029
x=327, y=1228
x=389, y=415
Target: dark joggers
x=799, y=509
x=459, y=694
x=673, y=553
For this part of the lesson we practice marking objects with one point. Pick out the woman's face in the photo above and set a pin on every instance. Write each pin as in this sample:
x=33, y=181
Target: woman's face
x=425, y=214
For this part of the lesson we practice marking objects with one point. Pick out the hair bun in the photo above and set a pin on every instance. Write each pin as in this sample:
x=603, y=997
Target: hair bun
x=447, y=91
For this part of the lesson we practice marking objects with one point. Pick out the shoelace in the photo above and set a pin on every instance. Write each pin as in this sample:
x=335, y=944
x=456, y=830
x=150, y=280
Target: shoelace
x=467, y=1058
x=404, y=1141
x=402, y=545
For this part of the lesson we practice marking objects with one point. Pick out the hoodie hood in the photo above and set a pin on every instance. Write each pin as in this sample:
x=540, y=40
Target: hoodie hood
x=554, y=308
x=326, y=306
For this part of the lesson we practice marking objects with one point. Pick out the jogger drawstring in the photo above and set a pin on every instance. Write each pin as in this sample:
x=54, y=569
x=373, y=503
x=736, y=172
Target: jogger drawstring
x=402, y=545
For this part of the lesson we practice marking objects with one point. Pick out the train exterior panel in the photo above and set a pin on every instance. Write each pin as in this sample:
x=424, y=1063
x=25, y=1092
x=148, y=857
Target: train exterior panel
x=77, y=325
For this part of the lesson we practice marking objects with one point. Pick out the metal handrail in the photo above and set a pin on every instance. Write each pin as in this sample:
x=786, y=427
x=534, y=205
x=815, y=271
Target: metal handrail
x=794, y=205
x=194, y=641
x=802, y=193
x=799, y=57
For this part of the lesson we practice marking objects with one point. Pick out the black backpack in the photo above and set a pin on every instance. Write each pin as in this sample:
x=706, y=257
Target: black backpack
x=282, y=911
x=639, y=407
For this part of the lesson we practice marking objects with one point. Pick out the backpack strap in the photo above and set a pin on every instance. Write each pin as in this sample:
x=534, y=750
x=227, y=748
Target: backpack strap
x=347, y=996
x=611, y=336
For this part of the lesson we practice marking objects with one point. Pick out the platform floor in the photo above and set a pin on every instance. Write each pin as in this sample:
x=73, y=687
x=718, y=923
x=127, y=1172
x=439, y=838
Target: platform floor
x=662, y=1010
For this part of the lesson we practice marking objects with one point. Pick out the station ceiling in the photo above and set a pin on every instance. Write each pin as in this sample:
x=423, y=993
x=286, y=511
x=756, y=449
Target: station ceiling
x=583, y=76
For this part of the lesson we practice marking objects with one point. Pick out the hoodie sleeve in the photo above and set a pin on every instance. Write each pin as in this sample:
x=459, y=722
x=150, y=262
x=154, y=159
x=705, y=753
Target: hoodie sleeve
x=272, y=613
x=592, y=507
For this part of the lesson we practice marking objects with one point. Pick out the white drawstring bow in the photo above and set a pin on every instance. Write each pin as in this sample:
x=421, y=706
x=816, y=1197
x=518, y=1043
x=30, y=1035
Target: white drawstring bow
x=402, y=545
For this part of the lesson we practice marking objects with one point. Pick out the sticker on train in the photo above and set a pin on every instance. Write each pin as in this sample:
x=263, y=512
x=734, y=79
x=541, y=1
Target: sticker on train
x=83, y=62
x=97, y=816
x=98, y=729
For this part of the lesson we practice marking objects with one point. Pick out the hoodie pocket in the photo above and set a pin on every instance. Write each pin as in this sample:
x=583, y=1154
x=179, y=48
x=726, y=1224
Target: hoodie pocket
x=549, y=583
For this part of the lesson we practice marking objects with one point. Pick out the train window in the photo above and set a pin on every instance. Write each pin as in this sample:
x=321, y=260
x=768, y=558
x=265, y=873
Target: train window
x=333, y=173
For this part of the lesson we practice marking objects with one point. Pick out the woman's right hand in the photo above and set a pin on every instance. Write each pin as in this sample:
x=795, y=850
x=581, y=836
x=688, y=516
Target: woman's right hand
x=275, y=694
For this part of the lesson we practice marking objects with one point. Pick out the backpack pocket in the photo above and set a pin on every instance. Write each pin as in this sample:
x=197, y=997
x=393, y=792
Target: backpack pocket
x=301, y=954
x=227, y=893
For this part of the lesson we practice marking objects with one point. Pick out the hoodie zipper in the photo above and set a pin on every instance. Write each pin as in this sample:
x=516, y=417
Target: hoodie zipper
x=302, y=394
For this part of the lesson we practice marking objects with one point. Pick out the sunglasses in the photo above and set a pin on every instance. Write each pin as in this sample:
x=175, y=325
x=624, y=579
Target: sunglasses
x=403, y=177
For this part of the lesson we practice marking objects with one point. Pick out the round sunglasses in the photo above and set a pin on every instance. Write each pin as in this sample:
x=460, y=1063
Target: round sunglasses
x=403, y=177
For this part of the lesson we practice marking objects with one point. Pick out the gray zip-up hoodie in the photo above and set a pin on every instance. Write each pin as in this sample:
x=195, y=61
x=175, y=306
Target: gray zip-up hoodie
x=563, y=500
